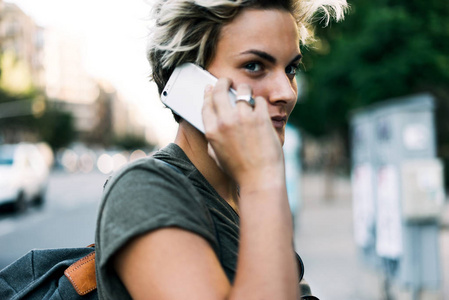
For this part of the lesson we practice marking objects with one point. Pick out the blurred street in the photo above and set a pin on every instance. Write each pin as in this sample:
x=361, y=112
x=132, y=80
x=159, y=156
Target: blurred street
x=324, y=239
x=324, y=233
x=67, y=218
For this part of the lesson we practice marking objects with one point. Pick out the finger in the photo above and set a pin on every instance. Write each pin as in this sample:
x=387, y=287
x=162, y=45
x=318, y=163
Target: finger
x=221, y=98
x=208, y=111
x=243, y=92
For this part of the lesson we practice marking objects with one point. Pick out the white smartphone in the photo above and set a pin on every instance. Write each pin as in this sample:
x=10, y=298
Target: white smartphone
x=184, y=92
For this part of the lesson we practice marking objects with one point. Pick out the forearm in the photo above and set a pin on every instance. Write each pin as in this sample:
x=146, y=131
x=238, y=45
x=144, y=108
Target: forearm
x=266, y=264
x=248, y=149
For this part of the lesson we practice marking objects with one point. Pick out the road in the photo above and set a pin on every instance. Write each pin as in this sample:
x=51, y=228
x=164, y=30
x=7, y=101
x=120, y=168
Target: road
x=67, y=219
x=324, y=239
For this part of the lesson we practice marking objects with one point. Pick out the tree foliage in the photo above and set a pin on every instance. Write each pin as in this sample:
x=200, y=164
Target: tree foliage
x=383, y=49
x=131, y=142
x=56, y=128
x=53, y=126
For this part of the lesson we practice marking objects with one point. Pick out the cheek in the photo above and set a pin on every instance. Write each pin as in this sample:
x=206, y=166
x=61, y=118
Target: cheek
x=256, y=91
x=225, y=70
x=259, y=88
x=291, y=106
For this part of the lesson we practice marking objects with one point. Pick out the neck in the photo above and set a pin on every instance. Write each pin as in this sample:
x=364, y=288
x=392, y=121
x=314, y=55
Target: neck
x=194, y=145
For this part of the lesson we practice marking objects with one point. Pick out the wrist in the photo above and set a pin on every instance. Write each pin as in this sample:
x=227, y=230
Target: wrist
x=274, y=185
x=273, y=177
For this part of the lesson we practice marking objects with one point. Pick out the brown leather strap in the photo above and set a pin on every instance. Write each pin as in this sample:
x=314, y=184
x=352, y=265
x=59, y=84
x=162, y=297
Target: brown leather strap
x=82, y=274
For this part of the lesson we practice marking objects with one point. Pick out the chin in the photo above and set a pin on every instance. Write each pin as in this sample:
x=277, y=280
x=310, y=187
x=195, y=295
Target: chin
x=281, y=136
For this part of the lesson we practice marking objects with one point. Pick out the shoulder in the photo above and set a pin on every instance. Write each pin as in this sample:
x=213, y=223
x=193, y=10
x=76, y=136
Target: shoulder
x=147, y=177
x=144, y=196
x=147, y=195
x=148, y=185
x=148, y=165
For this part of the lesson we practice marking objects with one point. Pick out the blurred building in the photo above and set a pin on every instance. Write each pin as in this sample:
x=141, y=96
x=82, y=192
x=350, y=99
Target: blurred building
x=51, y=60
x=65, y=75
x=100, y=111
x=67, y=84
x=21, y=50
x=102, y=119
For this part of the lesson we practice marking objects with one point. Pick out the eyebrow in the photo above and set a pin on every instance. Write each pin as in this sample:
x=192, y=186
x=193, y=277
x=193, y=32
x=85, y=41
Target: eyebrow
x=268, y=57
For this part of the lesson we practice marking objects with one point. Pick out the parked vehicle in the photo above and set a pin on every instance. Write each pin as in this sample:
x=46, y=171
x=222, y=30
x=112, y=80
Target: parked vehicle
x=23, y=175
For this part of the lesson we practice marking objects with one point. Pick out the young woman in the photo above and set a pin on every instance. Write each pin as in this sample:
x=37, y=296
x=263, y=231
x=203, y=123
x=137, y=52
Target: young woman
x=214, y=223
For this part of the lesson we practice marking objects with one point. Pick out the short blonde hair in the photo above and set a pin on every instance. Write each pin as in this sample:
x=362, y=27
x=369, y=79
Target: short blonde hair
x=188, y=30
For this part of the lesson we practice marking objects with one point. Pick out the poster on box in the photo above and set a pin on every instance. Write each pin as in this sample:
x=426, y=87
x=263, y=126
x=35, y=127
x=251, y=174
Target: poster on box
x=363, y=204
x=388, y=217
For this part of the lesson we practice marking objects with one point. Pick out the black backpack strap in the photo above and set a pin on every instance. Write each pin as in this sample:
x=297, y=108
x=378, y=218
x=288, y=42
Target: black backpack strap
x=300, y=266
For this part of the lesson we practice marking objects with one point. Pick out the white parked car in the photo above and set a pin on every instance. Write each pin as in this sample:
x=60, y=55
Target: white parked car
x=23, y=175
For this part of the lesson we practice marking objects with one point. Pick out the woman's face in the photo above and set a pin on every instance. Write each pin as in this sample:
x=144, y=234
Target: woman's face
x=261, y=48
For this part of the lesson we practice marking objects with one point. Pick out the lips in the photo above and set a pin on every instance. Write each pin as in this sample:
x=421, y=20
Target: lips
x=279, y=121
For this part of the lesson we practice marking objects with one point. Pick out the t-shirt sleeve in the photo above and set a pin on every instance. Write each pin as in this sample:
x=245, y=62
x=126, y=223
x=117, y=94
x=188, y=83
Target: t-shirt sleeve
x=147, y=198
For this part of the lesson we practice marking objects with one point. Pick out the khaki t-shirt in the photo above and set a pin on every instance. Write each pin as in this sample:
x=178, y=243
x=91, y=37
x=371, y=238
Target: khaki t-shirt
x=149, y=194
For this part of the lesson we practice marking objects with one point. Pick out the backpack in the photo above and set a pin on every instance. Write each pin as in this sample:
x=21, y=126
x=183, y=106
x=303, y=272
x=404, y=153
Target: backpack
x=53, y=274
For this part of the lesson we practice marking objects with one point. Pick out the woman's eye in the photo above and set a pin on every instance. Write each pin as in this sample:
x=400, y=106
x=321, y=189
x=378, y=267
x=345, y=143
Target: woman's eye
x=253, y=67
x=291, y=70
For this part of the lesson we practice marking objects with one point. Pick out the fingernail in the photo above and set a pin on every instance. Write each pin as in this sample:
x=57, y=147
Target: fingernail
x=208, y=88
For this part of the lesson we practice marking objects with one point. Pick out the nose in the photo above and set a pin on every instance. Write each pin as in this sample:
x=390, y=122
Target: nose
x=282, y=89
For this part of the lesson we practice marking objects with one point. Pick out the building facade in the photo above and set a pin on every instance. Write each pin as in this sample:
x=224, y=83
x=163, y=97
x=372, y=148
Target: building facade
x=51, y=61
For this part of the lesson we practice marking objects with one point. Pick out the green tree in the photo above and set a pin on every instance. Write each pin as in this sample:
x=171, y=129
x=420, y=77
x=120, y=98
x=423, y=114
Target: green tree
x=32, y=114
x=56, y=128
x=15, y=113
x=383, y=49
x=131, y=142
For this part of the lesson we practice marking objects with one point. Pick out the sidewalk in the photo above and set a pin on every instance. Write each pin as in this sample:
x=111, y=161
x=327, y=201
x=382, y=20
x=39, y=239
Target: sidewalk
x=324, y=239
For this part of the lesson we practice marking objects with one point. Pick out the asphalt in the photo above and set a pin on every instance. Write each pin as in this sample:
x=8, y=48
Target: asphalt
x=334, y=267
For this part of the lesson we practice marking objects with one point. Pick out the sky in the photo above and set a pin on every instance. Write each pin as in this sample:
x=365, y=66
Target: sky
x=115, y=34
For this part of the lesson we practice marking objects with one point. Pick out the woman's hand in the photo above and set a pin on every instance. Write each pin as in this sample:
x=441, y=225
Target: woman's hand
x=247, y=147
x=241, y=138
